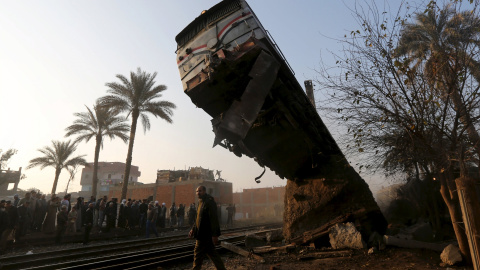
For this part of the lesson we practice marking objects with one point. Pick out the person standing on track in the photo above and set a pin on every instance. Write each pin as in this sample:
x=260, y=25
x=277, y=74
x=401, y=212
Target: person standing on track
x=162, y=215
x=206, y=230
x=151, y=220
x=192, y=213
x=173, y=215
x=180, y=215
x=62, y=219
x=88, y=223
x=111, y=214
x=12, y=225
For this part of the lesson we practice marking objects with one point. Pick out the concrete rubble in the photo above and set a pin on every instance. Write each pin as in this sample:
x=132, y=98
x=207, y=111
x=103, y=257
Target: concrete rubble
x=346, y=236
x=451, y=255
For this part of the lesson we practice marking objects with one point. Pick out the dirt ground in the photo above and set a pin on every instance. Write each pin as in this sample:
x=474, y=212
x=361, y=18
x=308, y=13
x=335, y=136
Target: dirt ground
x=313, y=259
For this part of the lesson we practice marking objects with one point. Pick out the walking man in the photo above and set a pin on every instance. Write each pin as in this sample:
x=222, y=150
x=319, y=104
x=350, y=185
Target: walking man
x=206, y=230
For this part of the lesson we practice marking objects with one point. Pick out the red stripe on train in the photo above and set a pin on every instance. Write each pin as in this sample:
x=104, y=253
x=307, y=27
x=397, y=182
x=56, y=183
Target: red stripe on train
x=230, y=23
x=195, y=49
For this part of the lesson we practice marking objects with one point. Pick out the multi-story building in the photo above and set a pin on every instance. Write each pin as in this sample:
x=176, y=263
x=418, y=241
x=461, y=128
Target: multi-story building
x=193, y=173
x=178, y=186
x=109, y=174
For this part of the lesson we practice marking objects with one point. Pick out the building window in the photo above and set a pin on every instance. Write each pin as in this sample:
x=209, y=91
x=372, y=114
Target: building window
x=109, y=176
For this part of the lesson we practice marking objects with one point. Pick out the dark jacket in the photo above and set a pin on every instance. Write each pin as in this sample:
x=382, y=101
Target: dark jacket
x=143, y=208
x=24, y=215
x=181, y=211
x=88, y=220
x=192, y=213
x=12, y=217
x=62, y=219
x=3, y=220
x=207, y=212
x=111, y=212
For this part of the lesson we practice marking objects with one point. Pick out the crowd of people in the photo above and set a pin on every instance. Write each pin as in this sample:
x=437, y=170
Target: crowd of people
x=60, y=216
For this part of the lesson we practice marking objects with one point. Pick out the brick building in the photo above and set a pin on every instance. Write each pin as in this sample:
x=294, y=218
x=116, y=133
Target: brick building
x=109, y=174
x=179, y=187
x=259, y=202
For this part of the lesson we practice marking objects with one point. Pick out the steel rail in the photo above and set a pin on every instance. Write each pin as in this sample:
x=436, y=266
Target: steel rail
x=165, y=261
x=131, y=259
x=38, y=259
x=141, y=242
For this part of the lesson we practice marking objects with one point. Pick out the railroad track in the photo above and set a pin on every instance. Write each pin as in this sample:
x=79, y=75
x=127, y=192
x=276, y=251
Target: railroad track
x=150, y=259
x=132, y=253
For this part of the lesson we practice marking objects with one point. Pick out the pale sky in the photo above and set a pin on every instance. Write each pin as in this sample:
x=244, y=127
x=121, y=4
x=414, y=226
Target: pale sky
x=57, y=55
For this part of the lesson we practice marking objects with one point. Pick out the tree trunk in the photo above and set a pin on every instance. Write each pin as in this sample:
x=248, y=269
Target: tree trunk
x=66, y=189
x=456, y=217
x=57, y=175
x=98, y=143
x=128, y=164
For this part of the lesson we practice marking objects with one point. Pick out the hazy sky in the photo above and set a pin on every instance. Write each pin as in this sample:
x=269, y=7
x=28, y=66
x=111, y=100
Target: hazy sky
x=56, y=56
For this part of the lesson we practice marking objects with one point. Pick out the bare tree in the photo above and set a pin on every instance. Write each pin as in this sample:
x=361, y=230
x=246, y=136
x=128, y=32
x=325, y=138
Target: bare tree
x=397, y=117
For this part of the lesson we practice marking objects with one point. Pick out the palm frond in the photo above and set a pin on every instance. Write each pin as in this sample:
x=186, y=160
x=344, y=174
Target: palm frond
x=41, y=162
x=75, y=161
x=117, y=102
x=140, y=94
x=145, y=122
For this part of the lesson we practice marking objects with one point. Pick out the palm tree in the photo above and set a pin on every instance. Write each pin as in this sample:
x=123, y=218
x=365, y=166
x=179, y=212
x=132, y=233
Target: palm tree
x=137, y=97
x=445, y=42
x=57, y=157
x=98, y=123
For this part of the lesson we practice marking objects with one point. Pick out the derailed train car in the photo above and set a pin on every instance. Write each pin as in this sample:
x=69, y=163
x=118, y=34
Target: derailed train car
x=232, y=69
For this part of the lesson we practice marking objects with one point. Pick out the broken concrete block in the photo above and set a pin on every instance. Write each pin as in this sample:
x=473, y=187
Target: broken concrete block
x=252, y=240
x=346, y=236
x=274, y=236
x=451, y=255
